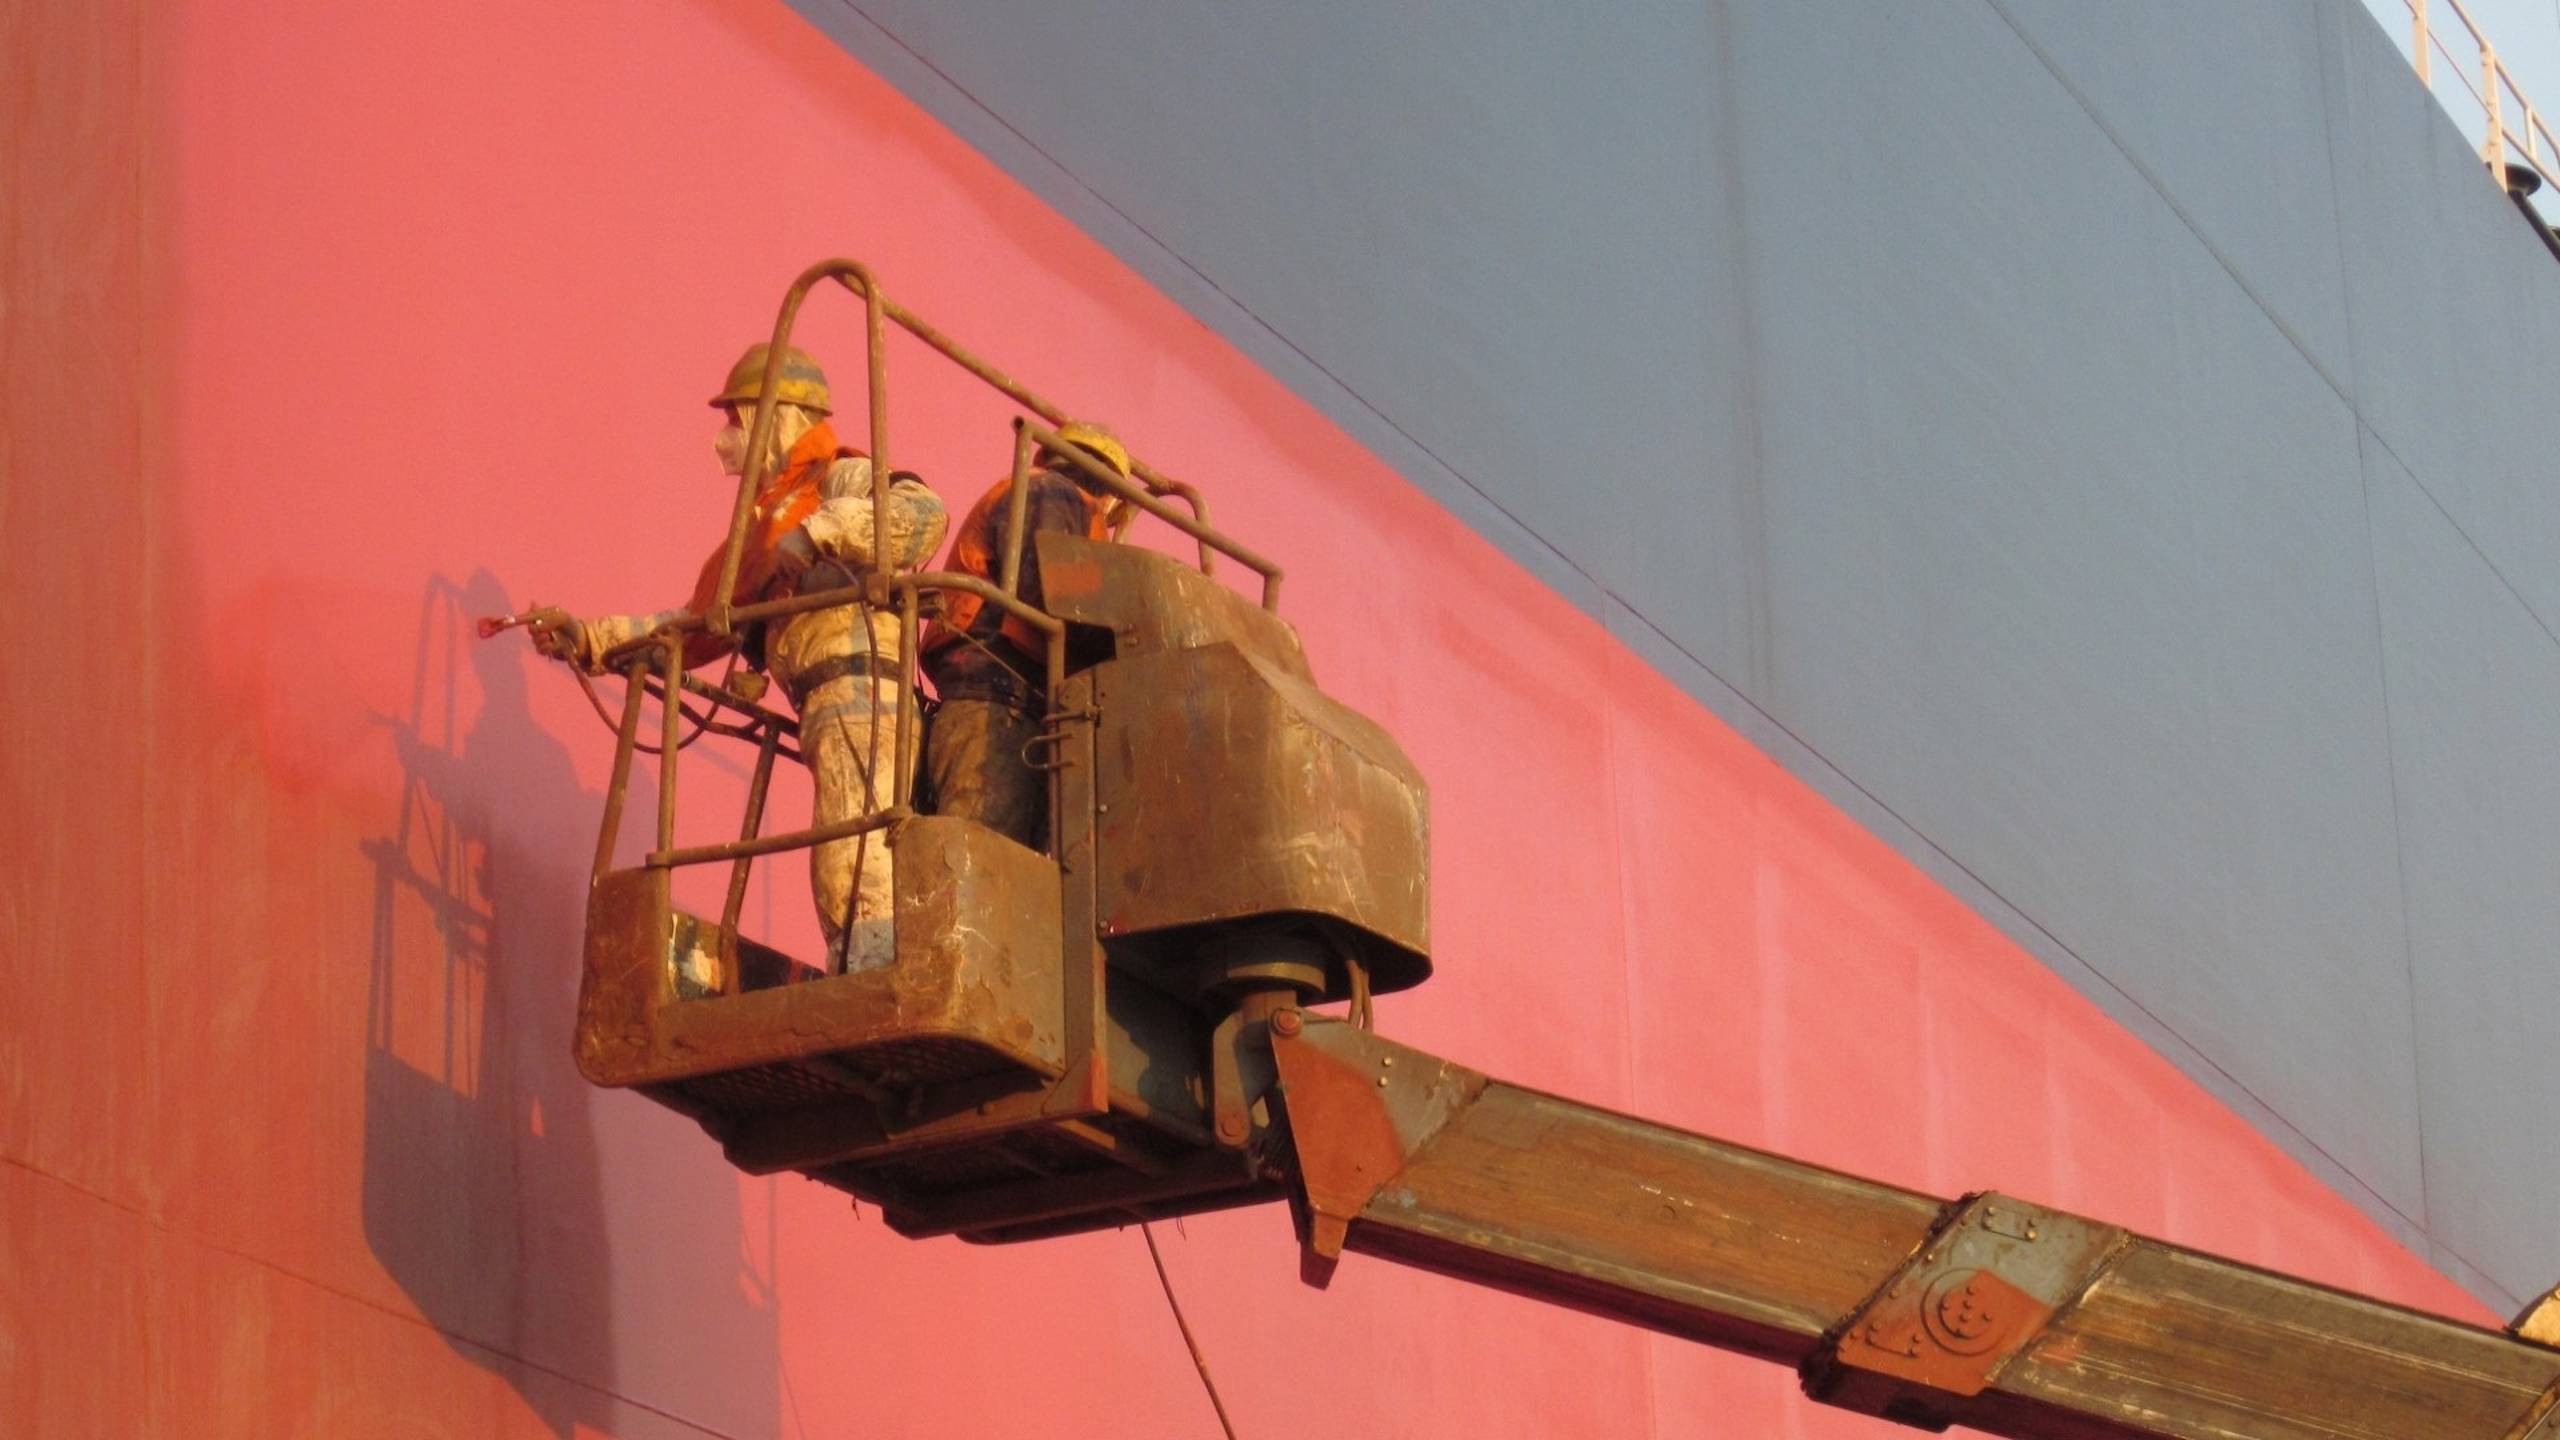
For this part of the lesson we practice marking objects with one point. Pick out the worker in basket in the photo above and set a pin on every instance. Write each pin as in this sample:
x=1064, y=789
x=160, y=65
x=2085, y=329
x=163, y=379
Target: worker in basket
x=985, y=664
x=811, y=530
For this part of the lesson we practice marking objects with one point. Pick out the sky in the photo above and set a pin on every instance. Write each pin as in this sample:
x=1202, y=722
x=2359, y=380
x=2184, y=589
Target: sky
x=2526, y=34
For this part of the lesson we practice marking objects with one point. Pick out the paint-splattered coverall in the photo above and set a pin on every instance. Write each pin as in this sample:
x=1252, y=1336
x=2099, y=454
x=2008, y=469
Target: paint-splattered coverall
x=840, y=666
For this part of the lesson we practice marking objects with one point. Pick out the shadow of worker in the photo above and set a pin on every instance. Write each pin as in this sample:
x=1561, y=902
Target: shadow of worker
x=486, y=1194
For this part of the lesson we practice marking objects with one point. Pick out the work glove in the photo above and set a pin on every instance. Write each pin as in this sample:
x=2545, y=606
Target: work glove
x=565, y=640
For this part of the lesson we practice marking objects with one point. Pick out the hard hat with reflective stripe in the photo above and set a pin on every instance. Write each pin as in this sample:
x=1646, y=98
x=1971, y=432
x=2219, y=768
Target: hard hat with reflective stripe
x=1097, y=442
x=801, y=383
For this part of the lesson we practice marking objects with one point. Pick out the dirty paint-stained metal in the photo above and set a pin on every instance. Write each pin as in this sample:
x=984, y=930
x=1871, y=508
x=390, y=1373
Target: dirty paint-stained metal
x=1440, y=1167
x=1149, y=603
x=1232, y=789
x=1989, y=1313
x=909, y=1083
x=1316, y=822
x=1356, y=1120
x=1082, y=962
x=1982, y=1288
x=975, y=968
x=2226, y=1349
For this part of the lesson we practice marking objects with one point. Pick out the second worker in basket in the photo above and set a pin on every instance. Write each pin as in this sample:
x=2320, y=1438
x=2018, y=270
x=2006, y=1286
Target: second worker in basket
x=985, y=664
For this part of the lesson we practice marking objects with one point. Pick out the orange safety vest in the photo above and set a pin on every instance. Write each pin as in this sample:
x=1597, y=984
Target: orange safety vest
x=974, y=552
x=789, y=497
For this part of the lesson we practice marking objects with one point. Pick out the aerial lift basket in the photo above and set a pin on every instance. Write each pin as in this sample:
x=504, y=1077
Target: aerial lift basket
x=1039, y=1056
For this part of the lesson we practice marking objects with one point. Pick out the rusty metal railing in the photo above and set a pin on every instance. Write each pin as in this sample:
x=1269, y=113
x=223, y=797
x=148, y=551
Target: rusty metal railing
x=653, y=664
x=663, y=649
x=1030, y=439
x=2512, y=128
x=879, y=311
x=653, y=667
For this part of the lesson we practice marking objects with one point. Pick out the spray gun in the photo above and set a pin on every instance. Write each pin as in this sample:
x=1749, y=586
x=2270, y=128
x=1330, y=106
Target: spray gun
x=537, y=619
x=543, y=620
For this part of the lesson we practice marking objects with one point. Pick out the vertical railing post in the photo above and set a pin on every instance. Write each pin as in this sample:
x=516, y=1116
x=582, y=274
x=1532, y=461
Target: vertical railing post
x=2425, y=43
x=672, y=677
x=736, y=903
x=2495, y=150
x=902, y=792
x=751, y=476
x=1017, y=506
x=877, y=365
x=626, y=742
x=1073, y=823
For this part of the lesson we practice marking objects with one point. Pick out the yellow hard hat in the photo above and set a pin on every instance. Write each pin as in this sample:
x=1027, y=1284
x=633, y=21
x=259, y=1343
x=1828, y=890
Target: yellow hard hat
x=1098, y=442
x=802, y=383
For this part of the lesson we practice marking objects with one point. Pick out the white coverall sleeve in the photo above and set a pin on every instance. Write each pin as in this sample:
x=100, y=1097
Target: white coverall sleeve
x=606, y=632
x=842, y=528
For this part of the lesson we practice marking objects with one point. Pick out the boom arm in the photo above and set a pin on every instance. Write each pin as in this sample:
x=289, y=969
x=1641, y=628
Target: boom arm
x=1986, y=1312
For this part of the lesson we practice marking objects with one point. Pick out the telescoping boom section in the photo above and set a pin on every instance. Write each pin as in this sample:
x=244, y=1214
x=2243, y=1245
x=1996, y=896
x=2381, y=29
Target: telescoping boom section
x=1114, y=1026
x=1988, y=1311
